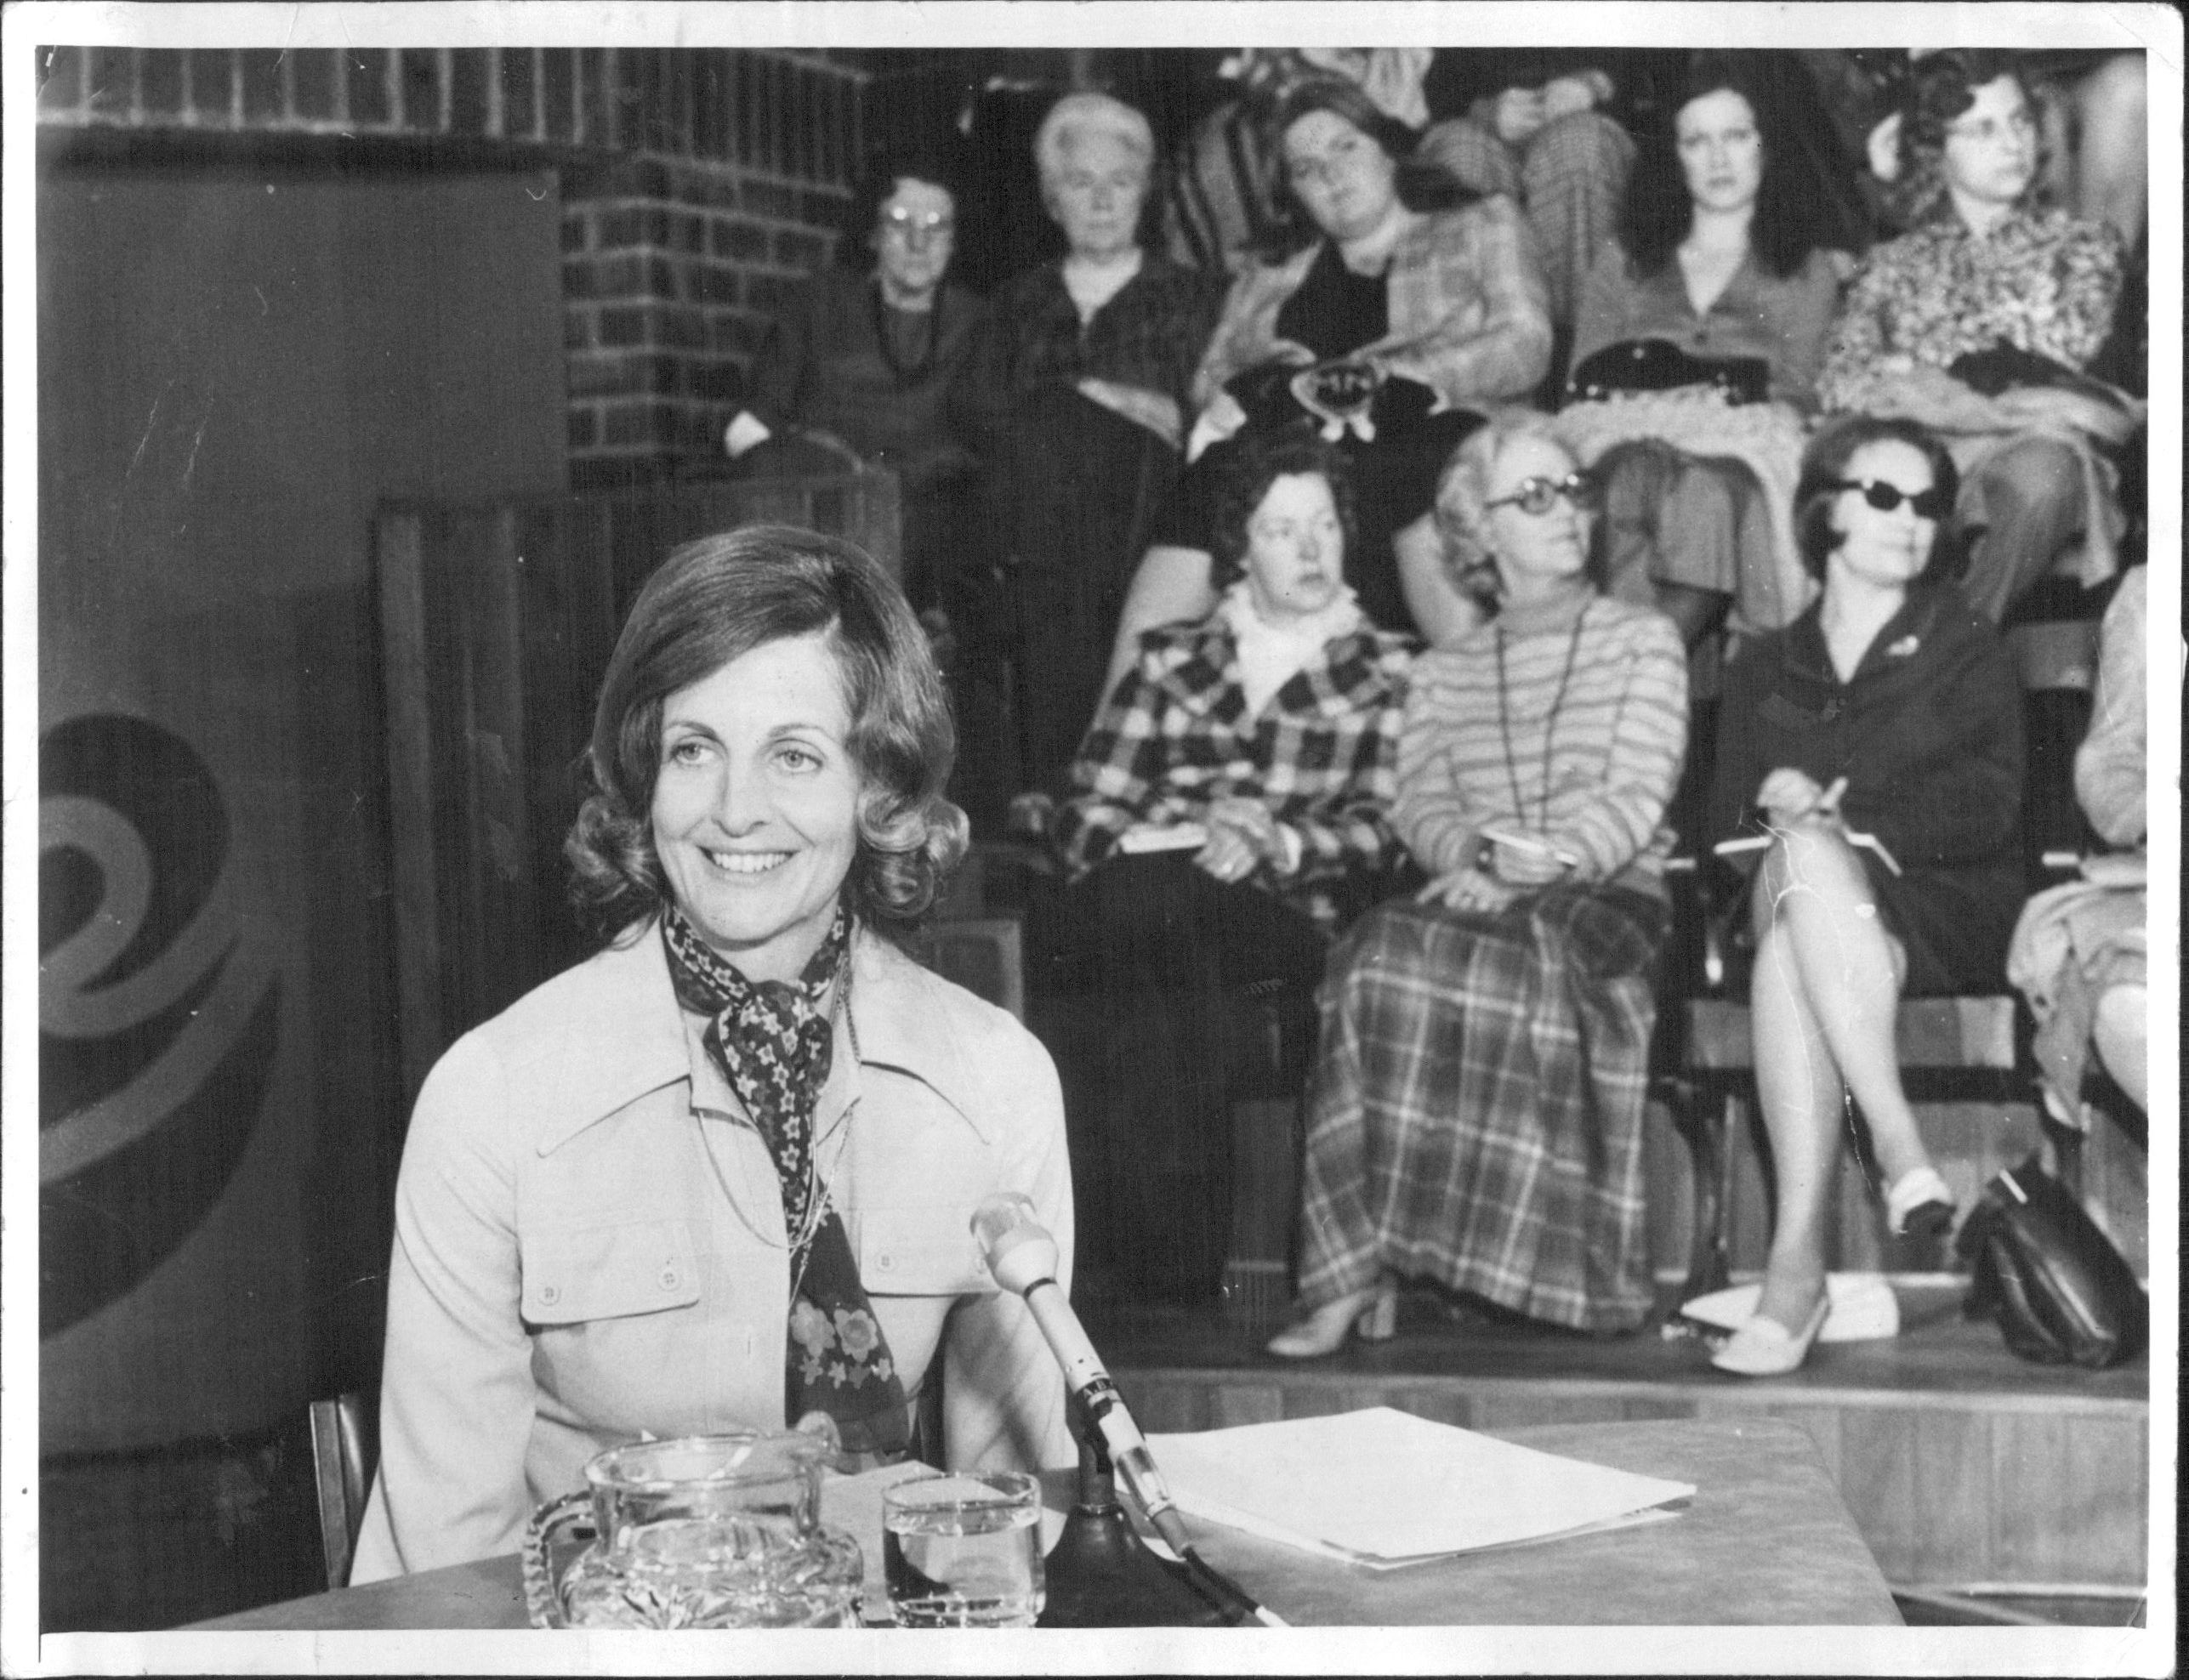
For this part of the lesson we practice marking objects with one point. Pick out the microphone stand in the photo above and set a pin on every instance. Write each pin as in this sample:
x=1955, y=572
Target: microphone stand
x=1101, y=1573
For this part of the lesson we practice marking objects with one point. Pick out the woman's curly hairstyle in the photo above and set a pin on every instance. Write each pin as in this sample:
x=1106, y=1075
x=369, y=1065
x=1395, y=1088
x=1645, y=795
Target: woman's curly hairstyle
x=1258, y=461
x=1658, y=211
x=714, y=600
x=1824, y=468
x=1464, y=487
x=1940, y=89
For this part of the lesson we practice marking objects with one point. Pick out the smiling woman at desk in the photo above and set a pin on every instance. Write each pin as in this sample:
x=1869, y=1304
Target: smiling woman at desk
x=721, y=1174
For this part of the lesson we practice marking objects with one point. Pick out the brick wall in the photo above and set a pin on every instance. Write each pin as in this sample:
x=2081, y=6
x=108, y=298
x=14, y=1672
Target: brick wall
x=698, y=184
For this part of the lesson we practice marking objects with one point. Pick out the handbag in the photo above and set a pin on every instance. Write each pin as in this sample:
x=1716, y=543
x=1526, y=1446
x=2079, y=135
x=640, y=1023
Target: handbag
x=2062, y=1293
x=1659, y=365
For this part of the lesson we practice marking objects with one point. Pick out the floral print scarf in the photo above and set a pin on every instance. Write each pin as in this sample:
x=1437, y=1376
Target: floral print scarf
x=773, y=1042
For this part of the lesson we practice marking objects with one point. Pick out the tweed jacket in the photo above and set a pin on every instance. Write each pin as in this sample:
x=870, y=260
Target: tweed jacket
x=589, y=1241
x=1468, y=311
x=1176, y=736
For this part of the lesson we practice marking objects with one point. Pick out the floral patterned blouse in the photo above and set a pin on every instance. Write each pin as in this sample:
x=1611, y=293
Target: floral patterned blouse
x=2042, y=281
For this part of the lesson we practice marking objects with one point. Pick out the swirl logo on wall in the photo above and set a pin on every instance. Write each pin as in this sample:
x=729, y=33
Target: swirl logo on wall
x=158, y=1008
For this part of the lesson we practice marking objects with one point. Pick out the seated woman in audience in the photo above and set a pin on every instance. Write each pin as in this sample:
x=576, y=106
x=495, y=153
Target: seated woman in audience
x=1076, y=397
x=865, y=355
x=1391, y=325
x=1869, y=773
x=1227, y=816
x=1700, y=335
x=2080, y=950
x=1978, y=323
x=719, y=1175
x=1475, y=1117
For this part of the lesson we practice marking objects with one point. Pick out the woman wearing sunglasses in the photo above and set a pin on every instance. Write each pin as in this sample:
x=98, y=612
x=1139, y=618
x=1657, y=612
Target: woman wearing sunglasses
x=1476, y=1117
x=1869, y=783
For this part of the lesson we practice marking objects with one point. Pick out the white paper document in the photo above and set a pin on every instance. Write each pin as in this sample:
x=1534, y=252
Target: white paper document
x=1384, y=1487
x=1149, y=836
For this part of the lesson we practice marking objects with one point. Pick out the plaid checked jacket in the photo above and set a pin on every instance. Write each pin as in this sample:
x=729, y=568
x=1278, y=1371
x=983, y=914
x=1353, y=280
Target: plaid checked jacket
x=1468, y=308
x=1174, y=736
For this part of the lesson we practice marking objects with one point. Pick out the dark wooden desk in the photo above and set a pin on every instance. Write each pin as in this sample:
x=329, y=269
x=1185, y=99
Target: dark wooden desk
x=1764, y=1541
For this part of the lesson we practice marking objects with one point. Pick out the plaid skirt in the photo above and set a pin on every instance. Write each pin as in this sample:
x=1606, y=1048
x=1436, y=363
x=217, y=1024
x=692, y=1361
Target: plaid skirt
x=1475, y=1117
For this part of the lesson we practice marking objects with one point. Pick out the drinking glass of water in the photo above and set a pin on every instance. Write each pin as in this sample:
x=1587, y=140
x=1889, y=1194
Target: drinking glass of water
x=964, y=1550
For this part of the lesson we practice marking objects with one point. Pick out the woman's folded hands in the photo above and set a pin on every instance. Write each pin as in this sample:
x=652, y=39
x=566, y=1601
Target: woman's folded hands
x=1468, y=888
x=1243, y=835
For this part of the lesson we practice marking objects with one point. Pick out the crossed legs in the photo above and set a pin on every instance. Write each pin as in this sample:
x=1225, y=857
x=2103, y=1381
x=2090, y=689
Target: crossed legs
x=1823, y=999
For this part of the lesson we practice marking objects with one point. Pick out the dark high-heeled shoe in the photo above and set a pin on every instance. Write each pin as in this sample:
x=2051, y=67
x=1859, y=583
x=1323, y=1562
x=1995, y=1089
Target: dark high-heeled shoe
x=1372, y=1313
x=1919, y=1204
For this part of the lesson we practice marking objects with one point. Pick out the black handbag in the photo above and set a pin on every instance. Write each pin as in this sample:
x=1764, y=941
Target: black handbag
x=2060, y=1291
x=1643, y=364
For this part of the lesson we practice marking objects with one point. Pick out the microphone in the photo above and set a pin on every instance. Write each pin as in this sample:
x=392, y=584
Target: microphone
x=1022, y=1257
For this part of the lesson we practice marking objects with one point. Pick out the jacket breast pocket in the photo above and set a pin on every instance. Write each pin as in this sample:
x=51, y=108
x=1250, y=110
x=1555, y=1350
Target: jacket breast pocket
x=925, y=1250
x=576, y=1273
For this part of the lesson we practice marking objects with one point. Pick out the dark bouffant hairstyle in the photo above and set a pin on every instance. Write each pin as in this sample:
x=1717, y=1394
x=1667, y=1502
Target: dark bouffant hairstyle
x=1421, y=185
x=1940, y=87
x=1658, y=211
x=714, y=601
x=1824, y=466
x=933, y=162
x=1256, y=462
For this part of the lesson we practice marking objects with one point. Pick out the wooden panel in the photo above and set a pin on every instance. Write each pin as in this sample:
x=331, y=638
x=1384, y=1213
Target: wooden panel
x=1265, y=1178
x=2108, y=1477
x=398, y=552
x=2031, y=1538
x=1319, y=1399
x=983, y=953
x=1953, y=1494
x=1439, y=1403
x=1957, y=1032
x=1934, y=1032
x=1877, y=1479
x=1236, y=1402
x=1668, y=1193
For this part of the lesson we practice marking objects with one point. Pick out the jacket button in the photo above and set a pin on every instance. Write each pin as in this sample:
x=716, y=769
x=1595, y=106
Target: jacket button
x=887, y=1262
x=668, y=1277
x=549, y=1295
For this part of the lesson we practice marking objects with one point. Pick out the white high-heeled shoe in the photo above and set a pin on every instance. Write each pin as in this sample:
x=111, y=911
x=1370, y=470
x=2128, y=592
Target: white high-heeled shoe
x=1372, y=1313
x=1918, y=1203
x=1765, y=1347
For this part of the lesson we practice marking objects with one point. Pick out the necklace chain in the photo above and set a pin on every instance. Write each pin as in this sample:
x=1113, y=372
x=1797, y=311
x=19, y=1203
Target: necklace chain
x=1549, y=725
x=818, y=1201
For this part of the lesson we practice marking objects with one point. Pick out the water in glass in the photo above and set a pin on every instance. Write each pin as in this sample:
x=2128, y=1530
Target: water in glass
x=963, y=1552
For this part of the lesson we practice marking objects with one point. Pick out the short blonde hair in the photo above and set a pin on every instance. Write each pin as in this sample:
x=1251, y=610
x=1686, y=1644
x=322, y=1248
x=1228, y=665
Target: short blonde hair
x=1464, y=486
x=1078, y=115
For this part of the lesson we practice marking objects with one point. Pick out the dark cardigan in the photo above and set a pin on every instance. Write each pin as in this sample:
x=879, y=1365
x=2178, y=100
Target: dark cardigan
x=1928, y=734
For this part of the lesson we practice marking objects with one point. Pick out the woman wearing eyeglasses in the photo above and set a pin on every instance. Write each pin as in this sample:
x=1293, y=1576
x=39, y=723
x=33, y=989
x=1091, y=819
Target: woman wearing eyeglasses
x=1869, y=784
x=864, y=354
x=1979, y=323
x=1475, y=1119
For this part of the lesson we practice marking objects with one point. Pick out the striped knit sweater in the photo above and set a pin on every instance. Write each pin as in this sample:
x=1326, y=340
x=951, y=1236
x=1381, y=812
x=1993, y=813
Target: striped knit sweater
x=1594, y=778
